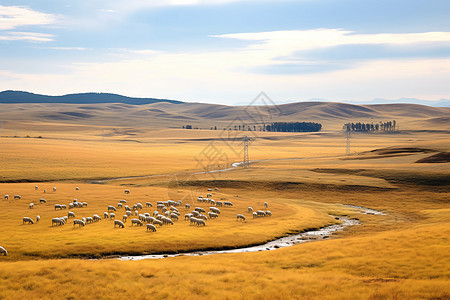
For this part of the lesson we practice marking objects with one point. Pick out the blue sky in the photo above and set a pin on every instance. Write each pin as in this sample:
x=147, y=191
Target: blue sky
x=227, y=51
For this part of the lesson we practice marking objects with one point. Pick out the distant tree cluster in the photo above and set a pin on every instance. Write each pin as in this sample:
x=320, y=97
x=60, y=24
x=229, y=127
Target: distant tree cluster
x=294, y=127
x=365, y=127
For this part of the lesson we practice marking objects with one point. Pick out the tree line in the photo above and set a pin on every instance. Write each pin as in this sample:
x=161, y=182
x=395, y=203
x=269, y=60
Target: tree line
x=364, y=127
x=273, y=127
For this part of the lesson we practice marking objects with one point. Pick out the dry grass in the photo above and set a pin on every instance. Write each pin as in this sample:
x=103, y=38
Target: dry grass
x=404, y=254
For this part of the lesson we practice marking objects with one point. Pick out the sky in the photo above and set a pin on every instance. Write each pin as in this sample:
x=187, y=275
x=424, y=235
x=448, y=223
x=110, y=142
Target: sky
x=228, y=51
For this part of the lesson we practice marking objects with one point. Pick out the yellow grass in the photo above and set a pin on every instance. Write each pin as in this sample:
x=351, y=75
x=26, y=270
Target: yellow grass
x=404, y=254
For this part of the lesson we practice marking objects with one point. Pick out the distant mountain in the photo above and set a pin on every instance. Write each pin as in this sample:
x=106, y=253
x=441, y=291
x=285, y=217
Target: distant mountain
x=438, y=103
x=83, y=98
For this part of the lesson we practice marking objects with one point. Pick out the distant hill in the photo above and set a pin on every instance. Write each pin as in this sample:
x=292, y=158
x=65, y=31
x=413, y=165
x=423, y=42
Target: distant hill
x=82, y=98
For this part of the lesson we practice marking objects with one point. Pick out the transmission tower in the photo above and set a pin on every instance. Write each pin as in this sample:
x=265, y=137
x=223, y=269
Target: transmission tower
x=348, y=143
x=246, y=163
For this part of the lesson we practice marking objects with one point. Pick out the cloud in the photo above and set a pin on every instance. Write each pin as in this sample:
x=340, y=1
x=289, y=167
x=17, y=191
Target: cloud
x=26, y=36
x=12, y=17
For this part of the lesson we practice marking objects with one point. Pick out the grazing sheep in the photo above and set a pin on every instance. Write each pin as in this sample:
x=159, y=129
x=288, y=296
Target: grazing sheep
x=54, y=189
x=139, y=205
x=78, y=222
x=240, y=217
x=17, y=197
x=212, y=215
x=58, y=206
x=70, y=205
x=137, y=222
x=77, y=189
x=203, y=217
x=148, y=204
x=119, y=204
x=195, y=213
x=199, y=209
x=123, y=201
x=110, y=207
x=105, y=215
x=155, y=213
x=172, y=208
x=261, y=213
x=127, y=191
x=119, y=223
x=215, y=210
x=266, y=204
x=96, y=218
x=167, y=221
x=112, y=216
x=85, y=204
x=213, y=202
x=58, y=221
x=187, y=216
x=127, y=208
x=192, y=220
x=42, y=200
x=268, y=213
x=36, y=187
x=64, y=219
x=201, y=222
x=71, y=214
x=208, y=195
x=63, y=206
x=129, y=213
x=151, y=227
x=187, y=206
x=3, y=251
x=227, y=203
x=216, y=189
x=27, y=220
x=173, y=216
x=250, y=209
x=255, y=215
x=31, y=205
x=136, y=212
x=124, y=218
x=141, y=217
x=160, y=206
x=38, y=217
x=88, y=220
x=167, y=213
x=209, y=190
x=150, y=220
x=158, y=222
x=219, y=203
x=45, y=191
x=6, y=197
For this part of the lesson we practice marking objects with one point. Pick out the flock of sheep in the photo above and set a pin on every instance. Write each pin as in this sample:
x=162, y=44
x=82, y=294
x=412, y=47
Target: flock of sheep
x=165, y=214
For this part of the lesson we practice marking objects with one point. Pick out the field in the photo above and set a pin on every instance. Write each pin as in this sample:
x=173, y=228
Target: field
x=304, y=177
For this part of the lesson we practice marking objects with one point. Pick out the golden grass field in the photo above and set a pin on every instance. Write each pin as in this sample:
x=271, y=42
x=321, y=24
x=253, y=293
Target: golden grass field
x=404, y=254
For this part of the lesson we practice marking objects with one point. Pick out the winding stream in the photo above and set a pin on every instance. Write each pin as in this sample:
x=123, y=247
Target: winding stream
x=308, y=236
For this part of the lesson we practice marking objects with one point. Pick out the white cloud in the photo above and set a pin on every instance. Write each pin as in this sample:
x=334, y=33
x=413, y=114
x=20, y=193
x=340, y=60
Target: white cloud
x=279, y=43
x=26, y=36
x=12, y=17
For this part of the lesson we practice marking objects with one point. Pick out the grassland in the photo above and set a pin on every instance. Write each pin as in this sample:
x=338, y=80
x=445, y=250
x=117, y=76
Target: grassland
x=403, y=254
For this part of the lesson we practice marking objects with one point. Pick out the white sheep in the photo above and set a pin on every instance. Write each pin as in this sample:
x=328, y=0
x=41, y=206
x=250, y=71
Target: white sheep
x=63, y=206
x=187, y=206
x=268, y=213
x=201, y=222
x=158, y=222
x=173, y=216
x=84, y=220
x=58, y=221
x=54, y=189
x=78, y=222
x=85, y=204
x=119, y=223
x=255, y=215
x=77, y=189
x=112, y=216
x=151, y=227
x=261, y=213
x=105, y=215
x=167, y=221
x=124, y=218
x=89, y=219
x=129, y=213
x=96, y=218
x=212, y=215
x=227, y=203
x=36, y=187
x=38, y=217
x=187, y=216
x=139, y=205
x=123, y=201
x=266, y=204
x=27, y=220
x=136, y=212
x=219, y=203
x=3, y=251
x=250, y=209
x=127, y=191
x=199, y=209
x=137, y=222
x=119, y=204
x=203, y=217
x=215, y=210
x=71, y=214
x=148, y=204
x=6, y=197
x=17, y=197
x=42, y=200
x=31, y=205
x=240, y=217
x=195, y=213
x=110, y=207
x=58, y=206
